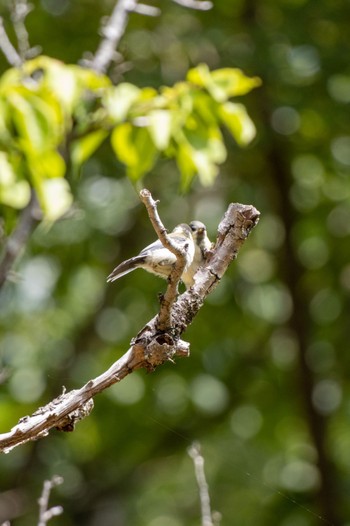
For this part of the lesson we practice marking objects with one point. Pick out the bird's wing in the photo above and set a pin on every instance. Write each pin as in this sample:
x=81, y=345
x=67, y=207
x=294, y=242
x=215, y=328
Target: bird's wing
x=158, y=245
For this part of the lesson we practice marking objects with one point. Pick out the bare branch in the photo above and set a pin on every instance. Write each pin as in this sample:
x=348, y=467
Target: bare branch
x=147, y=10
x=194, y=452
x=19, y=11
x=46, y=513
x=16, y=242
x=11, y=55
x=164, y=317
x=113, y=31
x=150, y=347
x=204, y=5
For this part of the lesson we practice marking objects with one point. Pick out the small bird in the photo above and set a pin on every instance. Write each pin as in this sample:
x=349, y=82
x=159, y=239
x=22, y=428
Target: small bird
x=157, y=259
x=202, y=245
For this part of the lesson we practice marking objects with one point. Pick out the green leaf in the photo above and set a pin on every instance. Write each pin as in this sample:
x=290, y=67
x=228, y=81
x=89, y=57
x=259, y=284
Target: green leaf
x=200, y=150
x=185, y=164
x=82, y=149
x=37, y=121
x=160, y=128
x=232, y=82
x=55, y=198
x=48, y=165
x=199, y=76
x=135, y=148
x=118, y=100
x=13, y=192
x=238, y=122
x=222, y=83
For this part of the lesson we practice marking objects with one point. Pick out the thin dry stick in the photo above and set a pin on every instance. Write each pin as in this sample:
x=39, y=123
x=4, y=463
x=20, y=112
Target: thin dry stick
x=150, y=348
x=195, y=4
x=164, y=317
x=19, y=237
x=46, y=513
x=11, y=55
x=194, y=452
x=19, y=12
x=113, y=31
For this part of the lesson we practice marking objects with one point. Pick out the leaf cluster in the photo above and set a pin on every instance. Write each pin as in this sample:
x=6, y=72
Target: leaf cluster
x=53, y=117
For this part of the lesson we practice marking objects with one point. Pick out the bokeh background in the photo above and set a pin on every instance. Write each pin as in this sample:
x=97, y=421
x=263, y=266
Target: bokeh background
x=266, y=389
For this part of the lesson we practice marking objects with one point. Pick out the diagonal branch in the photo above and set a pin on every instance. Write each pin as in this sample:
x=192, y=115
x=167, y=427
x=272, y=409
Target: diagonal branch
x=149, y=348
x=10, y=52
x=113, y=31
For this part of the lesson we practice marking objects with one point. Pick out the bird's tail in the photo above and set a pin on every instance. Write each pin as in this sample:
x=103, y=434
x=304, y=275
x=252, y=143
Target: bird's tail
x=127, y=266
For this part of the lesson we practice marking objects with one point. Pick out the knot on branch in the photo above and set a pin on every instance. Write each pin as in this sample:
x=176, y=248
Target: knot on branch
x=67, y=424
x=239, y=218
x=159, y=348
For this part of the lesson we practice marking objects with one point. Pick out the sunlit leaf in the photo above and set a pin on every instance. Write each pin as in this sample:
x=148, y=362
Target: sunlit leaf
x=238, y=122
x=187, y=167
x=160, y=127
x=201, y=149
x=55, y=198
x=83, y=148
x=49, y=165
x=37, y=121
x=222, y=83
x=119, y=99
x=135, y=148
x=17, y=195
x=13, y=192
x=232, y=82
x=207, y=170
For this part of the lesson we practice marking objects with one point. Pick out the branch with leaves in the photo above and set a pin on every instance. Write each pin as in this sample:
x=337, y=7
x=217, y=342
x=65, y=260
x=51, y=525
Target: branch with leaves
x=152, y=346
x=46, y=133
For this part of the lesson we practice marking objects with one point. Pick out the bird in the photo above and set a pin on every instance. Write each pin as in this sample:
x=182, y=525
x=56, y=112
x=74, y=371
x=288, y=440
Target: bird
x=157, y=259
x=202, y=245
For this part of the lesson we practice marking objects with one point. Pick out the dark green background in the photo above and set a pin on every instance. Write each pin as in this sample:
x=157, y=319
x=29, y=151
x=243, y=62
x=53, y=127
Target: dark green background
x=266, y=388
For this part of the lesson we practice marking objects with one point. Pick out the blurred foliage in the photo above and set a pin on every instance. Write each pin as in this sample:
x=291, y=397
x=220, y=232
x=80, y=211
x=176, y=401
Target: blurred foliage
x=47, y=106
x=265, y=390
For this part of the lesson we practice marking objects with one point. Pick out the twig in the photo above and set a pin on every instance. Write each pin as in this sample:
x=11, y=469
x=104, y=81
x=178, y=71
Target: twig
x=113, y=31
x=164, y=316
x=45, y=513
x=18, y=238
x=194, y=452
x=11, y=55
x=19, y=11
x=149, y=348
x=204, y=5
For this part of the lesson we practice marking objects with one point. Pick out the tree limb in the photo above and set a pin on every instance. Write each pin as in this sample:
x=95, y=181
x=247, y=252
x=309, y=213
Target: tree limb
x=150, y=347
x=19, y=237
